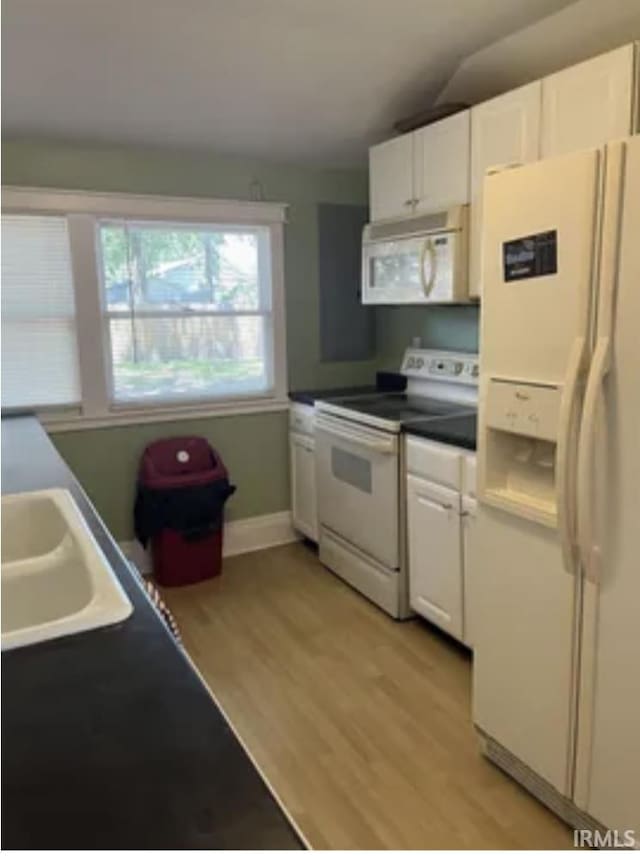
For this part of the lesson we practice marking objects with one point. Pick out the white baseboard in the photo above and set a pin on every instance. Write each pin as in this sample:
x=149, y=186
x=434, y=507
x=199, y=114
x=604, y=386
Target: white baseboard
x=258, y=533
x=240, y=536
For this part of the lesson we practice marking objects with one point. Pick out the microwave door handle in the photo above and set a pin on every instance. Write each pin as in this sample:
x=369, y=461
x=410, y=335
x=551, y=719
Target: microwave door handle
x=566, y=458
x=368, y=267
x=428, y=250
x=589, y=552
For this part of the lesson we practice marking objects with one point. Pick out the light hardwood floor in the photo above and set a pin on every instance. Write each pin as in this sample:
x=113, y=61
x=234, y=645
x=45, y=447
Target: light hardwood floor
x=360, y=723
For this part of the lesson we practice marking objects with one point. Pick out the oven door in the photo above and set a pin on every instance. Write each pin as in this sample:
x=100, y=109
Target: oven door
x=358, y=495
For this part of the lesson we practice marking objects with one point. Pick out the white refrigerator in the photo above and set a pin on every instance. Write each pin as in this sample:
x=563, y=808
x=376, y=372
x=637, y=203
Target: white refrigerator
x=557, y=656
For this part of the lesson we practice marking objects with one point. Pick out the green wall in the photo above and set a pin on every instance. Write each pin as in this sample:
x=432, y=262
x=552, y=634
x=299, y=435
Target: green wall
x=448, y=327
x=130, y=170
x=253, y=446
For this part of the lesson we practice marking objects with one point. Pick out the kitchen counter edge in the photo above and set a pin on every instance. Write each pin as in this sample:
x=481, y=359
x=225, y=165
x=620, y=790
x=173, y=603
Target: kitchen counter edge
x=110, y=738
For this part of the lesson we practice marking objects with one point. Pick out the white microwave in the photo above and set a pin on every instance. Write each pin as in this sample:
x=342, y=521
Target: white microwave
x=419, y=260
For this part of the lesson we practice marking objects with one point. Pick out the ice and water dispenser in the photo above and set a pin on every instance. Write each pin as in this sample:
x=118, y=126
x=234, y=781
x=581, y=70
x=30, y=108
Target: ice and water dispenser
x=518, y=468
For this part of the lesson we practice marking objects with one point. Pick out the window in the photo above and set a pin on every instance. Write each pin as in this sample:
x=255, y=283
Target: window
x=117, y=305
x=188, y=310
x=39, y=348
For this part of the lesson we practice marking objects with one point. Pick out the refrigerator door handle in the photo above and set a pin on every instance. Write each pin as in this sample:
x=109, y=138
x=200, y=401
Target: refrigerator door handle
x=601, y=361
x=566, y=459
x=589, y=552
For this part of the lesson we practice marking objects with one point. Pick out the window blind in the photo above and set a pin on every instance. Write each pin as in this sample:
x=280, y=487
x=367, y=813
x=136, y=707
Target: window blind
x=39, y=348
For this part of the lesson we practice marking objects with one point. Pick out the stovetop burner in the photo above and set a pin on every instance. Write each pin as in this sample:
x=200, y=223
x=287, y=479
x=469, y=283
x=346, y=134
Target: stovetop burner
x=439, y=385
x=399, y=407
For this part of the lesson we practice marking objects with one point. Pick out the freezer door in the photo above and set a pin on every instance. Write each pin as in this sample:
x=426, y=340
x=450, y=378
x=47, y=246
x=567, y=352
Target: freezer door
x=608, y=756
x=537, y=266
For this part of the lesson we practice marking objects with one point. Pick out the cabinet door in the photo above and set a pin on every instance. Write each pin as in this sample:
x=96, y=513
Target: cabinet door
x=441, y=163
x=588, y=104
x=303, y=486
x=391, y=178
x=469, y=569
x=435, y=560
x=503, y=130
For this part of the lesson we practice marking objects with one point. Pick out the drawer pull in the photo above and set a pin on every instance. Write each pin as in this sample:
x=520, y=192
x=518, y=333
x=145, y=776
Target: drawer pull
x=426, y=500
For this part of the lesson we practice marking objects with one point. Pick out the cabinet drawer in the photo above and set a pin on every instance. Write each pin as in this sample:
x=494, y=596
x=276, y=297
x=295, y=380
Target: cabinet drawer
x=435, y=462
x=365, y=574
x=302, y=418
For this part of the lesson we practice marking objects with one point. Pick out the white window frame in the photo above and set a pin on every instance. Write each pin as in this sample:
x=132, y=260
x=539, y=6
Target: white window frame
x=84, y=211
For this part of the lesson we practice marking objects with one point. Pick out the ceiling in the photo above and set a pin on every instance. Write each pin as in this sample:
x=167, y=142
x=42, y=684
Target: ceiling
x=296, y=80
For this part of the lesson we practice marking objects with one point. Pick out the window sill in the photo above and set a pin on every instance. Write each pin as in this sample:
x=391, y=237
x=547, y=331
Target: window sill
x=60, y=422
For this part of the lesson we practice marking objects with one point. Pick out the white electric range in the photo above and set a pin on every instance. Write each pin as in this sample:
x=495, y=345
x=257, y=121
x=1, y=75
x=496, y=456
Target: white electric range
x=359, y=465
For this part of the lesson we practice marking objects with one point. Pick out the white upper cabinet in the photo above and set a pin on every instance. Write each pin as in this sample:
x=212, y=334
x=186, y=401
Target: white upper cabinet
x=588, y=104
x=504, y=130
x=426, y=170
x=441, y=164
x=391, y=178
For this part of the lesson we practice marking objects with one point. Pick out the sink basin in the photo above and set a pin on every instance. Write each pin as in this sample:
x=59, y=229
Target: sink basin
x=56, y=580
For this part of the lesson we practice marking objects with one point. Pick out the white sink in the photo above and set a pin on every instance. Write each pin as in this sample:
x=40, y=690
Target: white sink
x=56, y=580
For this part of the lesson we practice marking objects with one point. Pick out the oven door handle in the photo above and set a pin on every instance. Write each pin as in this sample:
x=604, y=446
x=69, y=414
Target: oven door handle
x=383, y=447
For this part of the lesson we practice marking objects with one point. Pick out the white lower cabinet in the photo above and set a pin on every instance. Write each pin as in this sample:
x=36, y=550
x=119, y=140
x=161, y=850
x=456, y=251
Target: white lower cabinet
x=435, y=554
x=303, y=485
x=470, y=576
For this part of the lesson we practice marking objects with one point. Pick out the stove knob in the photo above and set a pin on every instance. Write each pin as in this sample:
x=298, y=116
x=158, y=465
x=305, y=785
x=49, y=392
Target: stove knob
x=419, y=363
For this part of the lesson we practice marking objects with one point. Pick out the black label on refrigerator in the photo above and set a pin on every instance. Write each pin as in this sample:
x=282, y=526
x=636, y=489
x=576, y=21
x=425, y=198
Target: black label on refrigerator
x=535, y=255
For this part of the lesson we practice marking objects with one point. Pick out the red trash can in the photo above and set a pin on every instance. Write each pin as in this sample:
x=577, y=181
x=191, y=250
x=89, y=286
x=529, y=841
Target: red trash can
x=182, y=488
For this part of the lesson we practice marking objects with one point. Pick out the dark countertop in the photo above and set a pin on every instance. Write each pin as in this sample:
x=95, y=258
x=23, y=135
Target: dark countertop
x=452, y=430
x=110, y=739
x=386, y=381
x=310, y=396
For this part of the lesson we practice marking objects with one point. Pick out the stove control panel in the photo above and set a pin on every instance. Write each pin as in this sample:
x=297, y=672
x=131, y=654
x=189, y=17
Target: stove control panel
x=440, y=365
